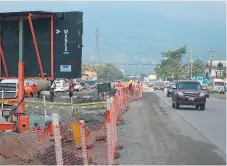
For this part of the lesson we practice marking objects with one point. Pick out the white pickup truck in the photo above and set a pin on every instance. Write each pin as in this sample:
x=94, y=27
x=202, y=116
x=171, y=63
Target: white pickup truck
x=217, y=86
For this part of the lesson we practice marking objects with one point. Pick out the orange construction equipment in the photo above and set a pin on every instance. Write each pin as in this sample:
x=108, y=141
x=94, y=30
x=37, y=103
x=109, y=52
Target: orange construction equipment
x=23, y=121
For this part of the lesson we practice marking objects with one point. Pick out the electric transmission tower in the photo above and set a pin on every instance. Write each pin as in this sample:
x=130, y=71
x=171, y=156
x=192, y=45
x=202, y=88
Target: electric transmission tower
x=97, y=49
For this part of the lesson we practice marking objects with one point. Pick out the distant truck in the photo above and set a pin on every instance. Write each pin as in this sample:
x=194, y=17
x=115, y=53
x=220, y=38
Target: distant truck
x=29, y=87
x=217, y=86
x=152, y=77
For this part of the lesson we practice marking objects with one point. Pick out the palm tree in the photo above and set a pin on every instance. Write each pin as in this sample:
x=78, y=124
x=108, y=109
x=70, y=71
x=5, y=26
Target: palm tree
x=220, y=68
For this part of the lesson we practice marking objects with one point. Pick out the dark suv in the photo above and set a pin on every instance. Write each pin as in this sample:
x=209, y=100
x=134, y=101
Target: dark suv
x=188, y=92
x=170, y=89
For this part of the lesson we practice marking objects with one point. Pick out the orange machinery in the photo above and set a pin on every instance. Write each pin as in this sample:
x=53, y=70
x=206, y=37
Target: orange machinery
x=22, y=119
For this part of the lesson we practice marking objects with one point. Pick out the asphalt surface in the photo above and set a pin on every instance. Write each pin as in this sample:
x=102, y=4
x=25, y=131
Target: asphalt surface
x=155, y=133
x=211, y=123
x=219, y=96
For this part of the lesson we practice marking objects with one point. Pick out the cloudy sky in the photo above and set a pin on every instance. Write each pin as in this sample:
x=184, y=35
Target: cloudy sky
x=140, y=31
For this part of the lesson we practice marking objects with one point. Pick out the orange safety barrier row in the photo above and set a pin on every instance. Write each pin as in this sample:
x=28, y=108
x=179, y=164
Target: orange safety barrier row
x=115, y=107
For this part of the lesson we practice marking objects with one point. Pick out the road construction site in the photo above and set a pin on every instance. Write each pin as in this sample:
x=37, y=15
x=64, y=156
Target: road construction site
x=91, y=111
x=63, y=143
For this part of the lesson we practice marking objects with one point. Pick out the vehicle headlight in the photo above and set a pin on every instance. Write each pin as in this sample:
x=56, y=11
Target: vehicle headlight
x=180, y=93
x=202, y=94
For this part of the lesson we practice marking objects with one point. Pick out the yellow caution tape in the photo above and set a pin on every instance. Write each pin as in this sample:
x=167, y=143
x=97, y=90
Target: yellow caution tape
x=61, y=103
x=3, y=102
x=62, y=107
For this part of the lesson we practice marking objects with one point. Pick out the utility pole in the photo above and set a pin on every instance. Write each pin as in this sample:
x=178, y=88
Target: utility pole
x=191, y=63
x=211, y=56
x=97, y=50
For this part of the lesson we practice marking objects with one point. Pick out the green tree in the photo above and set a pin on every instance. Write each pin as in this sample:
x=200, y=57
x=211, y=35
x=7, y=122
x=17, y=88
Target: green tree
x=198, y=67
x=104, y=71
x=109, y=72
x=87, y=67
x=171, y=63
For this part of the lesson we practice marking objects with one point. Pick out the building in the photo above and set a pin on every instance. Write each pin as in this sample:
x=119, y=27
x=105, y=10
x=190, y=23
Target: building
x=215, y=70
x=89, y=75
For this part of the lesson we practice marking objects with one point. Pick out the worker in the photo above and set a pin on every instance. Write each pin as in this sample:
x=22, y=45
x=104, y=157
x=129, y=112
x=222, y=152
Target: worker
x=52, y=88
x=130, y=88
x=71, y=90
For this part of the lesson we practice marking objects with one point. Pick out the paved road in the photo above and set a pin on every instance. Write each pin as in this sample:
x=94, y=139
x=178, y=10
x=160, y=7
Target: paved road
x=211, y=123
x=154, y=133
x=219, y=96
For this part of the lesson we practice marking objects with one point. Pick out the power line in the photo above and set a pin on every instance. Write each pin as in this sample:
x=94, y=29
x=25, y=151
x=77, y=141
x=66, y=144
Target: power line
x=130, y=64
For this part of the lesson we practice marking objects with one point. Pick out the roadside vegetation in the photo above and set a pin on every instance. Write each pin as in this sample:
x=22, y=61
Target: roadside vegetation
x=172, y=65
x=104, y=71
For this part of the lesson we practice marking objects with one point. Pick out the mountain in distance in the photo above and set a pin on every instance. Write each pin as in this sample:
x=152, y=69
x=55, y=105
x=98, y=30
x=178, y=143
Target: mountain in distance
x=137, y=32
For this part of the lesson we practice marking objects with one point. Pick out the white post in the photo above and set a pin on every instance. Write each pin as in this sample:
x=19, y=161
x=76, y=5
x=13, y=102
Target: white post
x=57, y=139
x=2, y=99
x=83, y=142
x=72, y=103
x=109, y=134
x=45, y=109
x=113, y=119
x=121, y=99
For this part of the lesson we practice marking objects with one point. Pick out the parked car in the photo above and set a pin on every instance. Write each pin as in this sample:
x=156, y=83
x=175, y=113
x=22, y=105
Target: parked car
x=66, y=87
x=188, y=92
x=61, y=87
x=91, y=84
x=170, y=89
x=84, y=86
x=78, y=87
